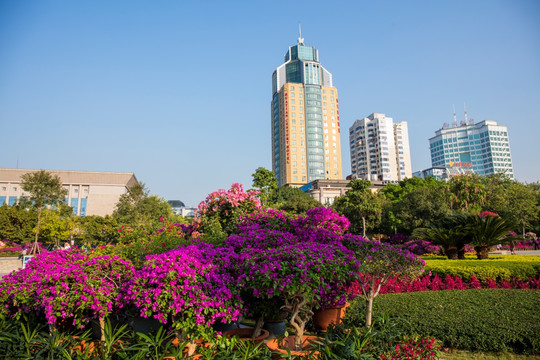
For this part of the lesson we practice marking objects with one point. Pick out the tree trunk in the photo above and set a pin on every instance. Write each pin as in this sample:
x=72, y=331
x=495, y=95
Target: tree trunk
x=258, y=327
x=482, y=252
x=369, y=309
x=451, y=253
x=364, y=227
x=102, y=328
x=461, y=254
x=35, y=248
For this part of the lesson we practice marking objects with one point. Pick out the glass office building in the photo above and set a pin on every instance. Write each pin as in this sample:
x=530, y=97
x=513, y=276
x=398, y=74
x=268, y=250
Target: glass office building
x=484, y=147
x=306, y=143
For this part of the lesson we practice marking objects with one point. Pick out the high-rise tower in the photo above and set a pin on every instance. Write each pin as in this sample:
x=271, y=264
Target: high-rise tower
x=306, y=142
x=380, y=149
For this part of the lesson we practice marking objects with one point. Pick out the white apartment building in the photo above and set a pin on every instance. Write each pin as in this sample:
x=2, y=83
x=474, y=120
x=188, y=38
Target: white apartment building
x=380, y=149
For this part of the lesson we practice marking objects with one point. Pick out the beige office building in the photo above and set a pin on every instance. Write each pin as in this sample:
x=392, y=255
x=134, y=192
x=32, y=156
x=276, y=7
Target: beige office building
x=306, y=143
x=89, y=192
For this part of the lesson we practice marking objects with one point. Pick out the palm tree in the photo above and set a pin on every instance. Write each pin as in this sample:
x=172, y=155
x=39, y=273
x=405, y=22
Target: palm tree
x=486, y=231
x=449, y=233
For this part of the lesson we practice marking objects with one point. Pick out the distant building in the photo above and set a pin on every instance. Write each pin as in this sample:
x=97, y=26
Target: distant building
x=484, y=147
x=444, y=173
x=380, y=149
x=306, y=143
x=179, y=208
x=326, y=191
x=89, y=192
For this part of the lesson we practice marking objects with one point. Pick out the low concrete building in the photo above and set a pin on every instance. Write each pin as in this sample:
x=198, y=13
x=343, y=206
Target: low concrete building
x=89, y=192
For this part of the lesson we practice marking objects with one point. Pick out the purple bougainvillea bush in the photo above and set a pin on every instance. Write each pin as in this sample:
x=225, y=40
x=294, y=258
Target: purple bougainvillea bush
x=299, y=274
x=190, y=287
x=65, y=285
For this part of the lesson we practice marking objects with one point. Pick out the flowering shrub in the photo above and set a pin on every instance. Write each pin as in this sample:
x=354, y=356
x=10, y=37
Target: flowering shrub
x=421, y=247
x=414, y=349
x=190, y=287
x=398, y=239
x=297, y=273
x=221, y=211
x=381, y=262
x=65, y=284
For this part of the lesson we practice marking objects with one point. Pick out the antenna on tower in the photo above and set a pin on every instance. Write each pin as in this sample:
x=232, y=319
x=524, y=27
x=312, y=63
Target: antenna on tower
x=455, y=119
x=300, y=38
x=465, y=108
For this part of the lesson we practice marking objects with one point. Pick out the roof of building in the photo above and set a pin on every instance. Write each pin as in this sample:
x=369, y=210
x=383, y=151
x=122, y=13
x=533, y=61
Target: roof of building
x=75, y=177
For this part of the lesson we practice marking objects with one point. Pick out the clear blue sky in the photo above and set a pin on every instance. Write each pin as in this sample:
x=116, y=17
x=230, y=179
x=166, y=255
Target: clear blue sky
x=179, y=92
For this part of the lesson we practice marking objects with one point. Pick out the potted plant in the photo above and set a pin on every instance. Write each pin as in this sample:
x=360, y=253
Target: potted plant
x=295, y=273
x=67, y=286
x=381, y=262
x=189, y=287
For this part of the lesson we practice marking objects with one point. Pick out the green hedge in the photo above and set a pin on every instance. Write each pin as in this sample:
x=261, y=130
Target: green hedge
x=522, y=267
x=477, y=320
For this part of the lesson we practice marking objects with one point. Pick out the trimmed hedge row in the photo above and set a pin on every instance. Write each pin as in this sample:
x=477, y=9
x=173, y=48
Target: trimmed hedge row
x=477, y=320
x=522, y=267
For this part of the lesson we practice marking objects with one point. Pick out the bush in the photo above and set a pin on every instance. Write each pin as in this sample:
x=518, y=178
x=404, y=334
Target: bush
x=504, y=267
x=476, y=320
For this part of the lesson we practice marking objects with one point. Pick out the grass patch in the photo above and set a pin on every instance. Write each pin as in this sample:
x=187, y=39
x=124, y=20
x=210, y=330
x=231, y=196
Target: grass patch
x=467, y=355
x=485, y=320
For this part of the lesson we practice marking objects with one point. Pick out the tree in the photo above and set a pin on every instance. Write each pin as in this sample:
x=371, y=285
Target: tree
x=266, y=181
x=56, y=226
x=485, y=231
x=138, y=209
x=361, y=206
x=422, y=206
x=292, y=200
x=467, y=193
x=17, y=224
x=44, y=189
x=98, y=230
x=449, y=233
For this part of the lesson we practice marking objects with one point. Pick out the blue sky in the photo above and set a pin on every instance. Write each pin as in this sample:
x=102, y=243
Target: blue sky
x=179, y=92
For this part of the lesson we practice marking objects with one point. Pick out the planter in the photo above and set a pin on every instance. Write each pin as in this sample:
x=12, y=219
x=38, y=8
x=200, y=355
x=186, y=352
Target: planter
x=287, y=345
x=185, y=352
x=245, y=334
x=275, y=328
x=144, y=325
x=224, y=327
x=323, y=318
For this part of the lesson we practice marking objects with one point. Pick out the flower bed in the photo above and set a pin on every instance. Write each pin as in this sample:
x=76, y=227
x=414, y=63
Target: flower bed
x=435, y=283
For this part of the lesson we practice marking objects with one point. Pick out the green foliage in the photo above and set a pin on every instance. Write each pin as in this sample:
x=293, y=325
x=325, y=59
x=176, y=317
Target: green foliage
x=476, y=320
x=56, y=226
x=266, y=182
x=422, y=205
x=17, y=223
x=98, y=230
x=138, y=209
x=361, y=206
x=521, y=267
x=44, y=189
x=292, y=200
x=467, y=192
x=449, y=233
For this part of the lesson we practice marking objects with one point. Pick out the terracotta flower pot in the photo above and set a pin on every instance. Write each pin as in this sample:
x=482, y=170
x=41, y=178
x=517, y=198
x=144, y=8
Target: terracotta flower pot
x=323, y=318
x=245, y=334
x=287, y=343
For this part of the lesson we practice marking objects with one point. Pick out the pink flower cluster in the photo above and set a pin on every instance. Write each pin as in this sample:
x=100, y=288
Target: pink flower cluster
x=190, y=287
x=435, y=283
x=234, y=197
x=65, y=284
x=414, y=349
